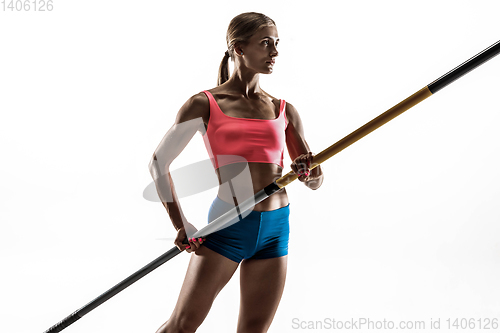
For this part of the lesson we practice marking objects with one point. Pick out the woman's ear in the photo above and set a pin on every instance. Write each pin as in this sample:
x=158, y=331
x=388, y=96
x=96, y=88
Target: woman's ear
x=237, y=50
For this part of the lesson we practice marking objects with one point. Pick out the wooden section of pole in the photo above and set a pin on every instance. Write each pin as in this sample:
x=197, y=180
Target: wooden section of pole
x=364, y=130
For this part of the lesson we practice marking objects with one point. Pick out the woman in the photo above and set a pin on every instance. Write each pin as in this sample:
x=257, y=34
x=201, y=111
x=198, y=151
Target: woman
x=239, y=119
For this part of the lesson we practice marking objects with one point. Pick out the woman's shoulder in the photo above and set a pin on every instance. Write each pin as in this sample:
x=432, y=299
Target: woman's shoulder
x=291, y=114
x=196, y=106
x=198, y=102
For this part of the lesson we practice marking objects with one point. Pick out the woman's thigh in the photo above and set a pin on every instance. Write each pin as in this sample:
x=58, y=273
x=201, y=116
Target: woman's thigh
x=207, y=273
x=262, y=282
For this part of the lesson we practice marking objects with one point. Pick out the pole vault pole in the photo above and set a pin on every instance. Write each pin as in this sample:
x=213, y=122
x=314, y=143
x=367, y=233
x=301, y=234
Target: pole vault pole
x=278, y=184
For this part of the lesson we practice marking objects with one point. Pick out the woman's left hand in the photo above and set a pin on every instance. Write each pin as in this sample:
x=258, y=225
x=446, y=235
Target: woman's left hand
x=301, y=166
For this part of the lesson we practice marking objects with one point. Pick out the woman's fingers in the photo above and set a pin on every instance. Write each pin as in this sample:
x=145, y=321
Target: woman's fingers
x=301, y=165
x=191, y=247
x=181, y=246
x=194, y=244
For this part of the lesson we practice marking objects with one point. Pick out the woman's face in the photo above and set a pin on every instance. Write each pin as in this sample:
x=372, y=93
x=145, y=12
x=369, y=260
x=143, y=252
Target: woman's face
x=261, y=50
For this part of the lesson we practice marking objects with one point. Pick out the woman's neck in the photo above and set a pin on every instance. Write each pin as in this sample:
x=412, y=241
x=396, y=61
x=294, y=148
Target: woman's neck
x=245, y=83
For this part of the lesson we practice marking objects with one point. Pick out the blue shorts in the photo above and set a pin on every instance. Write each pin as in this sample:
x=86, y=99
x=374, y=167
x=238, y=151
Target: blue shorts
x=260, y=235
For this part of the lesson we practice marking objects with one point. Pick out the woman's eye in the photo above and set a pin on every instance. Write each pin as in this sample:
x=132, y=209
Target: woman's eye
x=267, y=42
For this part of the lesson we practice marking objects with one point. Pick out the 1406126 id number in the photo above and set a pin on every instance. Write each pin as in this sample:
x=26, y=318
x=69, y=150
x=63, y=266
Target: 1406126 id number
x=28, y=5
x=472, y=323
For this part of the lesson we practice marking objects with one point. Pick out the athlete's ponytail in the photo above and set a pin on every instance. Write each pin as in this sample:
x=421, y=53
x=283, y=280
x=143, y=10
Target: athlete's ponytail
x=240, y=29
x=223, y=70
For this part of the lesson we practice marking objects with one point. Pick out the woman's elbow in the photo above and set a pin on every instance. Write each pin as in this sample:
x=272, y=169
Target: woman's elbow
x=156, y=168
x=152, y=162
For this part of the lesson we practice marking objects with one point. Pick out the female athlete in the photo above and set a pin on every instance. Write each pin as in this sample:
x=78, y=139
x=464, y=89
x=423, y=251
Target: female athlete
x=239, y=119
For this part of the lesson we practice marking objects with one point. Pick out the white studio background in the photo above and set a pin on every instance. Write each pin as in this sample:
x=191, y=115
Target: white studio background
x=405, y=226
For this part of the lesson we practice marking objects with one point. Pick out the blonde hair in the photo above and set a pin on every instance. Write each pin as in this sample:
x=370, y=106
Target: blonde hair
x=241, y=28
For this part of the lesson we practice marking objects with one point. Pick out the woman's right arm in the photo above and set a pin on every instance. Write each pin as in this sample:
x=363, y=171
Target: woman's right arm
x=191, y=118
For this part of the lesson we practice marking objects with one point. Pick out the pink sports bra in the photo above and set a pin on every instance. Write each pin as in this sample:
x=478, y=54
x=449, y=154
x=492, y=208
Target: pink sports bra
x=231, y=140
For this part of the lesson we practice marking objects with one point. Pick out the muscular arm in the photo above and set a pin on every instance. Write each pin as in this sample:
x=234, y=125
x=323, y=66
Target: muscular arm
x=297, y=147
x=190, y=119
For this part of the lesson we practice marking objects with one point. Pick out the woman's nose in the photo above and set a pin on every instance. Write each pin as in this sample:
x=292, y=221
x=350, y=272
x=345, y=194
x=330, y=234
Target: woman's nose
x=274, y=52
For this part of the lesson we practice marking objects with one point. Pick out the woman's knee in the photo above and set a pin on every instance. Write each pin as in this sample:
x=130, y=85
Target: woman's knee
x=187, y=323
x=179, y=324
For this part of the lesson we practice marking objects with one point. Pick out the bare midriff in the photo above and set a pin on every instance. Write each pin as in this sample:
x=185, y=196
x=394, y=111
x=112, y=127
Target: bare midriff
x=261, y=174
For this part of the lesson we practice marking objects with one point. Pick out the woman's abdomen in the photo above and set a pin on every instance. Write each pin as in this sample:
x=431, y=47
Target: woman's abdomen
x=239, y=181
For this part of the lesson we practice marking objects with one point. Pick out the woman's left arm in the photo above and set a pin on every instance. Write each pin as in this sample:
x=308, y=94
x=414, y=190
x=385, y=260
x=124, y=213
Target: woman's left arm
x=299, y=151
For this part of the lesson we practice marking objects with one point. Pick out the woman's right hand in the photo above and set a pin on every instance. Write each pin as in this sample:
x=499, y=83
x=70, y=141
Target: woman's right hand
x=194, y=244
